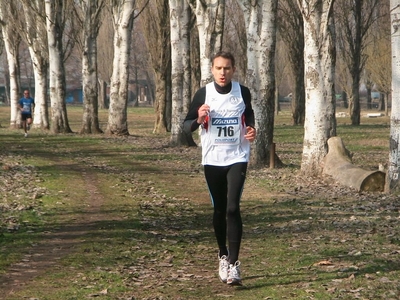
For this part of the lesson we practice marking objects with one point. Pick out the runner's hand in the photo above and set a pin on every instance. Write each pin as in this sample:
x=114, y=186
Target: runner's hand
x=202, y=113
x=250, y=134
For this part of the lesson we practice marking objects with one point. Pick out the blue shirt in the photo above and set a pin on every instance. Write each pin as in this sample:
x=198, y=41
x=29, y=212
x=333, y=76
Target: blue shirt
x=26, y=104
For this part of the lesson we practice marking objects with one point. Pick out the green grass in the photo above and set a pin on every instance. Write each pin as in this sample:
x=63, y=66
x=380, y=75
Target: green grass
x=148, y=233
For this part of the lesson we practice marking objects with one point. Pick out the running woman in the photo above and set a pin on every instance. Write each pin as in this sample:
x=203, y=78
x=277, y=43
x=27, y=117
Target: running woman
x=26, y=106
x=223, y=110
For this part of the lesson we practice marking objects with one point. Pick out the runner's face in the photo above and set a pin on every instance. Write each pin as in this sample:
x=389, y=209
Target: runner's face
x=222, y=71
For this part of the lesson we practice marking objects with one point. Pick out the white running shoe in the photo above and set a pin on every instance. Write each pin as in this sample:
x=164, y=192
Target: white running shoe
x=234, y=274
x=223, y=268
x=26, y=134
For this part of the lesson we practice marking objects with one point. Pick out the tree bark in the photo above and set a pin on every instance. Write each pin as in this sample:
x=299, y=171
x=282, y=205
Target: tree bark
x=123, y=13
x=59, y=119
x=160, y=124
x=11, y=42
x=338, y=164
x=180, y=72
x=260, y=22
x=102, y=99
x=210, y=24
x=157, y=33
x=290, y=26
x=91, y=23
x=393, y=178
x=319, y=56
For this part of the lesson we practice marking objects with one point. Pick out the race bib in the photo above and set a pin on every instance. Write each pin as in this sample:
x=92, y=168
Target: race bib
x=225, y=131
x=26, y=108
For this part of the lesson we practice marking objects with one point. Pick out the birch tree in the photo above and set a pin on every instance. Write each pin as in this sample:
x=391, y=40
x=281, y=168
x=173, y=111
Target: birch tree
x=123, y=15
x=180, y=72
x=392, y=175
x=34, y=33
x=90, y=21
x=54, y=25
x=9, y=12
x=210, y=16
x=319, y=65
x=260, y=20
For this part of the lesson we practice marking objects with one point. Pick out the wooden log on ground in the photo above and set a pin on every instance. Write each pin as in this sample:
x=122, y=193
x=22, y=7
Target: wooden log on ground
x=338, y=164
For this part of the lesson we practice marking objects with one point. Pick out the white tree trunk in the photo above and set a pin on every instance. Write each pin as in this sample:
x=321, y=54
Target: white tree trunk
x=180, y=73
x=41, y=114
x=210, y=16
x=91, y=23
x=260, y=21
x=59, y=120
x=319, y=59
x=12, y=60
x=11, y=42
x=392, y=176
x=36, y=38
x=123, y=13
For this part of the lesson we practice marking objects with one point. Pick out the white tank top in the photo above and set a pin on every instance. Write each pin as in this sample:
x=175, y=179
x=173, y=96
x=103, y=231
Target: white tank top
x=222, y=140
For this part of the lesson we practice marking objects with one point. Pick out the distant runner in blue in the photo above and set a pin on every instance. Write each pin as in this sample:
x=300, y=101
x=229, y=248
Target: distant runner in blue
x=26, y=105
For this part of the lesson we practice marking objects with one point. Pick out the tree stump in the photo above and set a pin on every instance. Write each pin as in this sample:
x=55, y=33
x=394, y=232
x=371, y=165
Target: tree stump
x=338, y=164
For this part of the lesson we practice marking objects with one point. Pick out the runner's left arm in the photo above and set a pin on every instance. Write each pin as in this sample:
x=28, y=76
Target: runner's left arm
x=248, y=112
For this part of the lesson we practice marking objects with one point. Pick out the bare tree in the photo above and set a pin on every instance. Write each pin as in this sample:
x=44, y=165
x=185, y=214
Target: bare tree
x=354, y=19
x=180, y=72
x=105, y=56
x=8, y=12
x=234, y=37
x=55, y=22
x=156, y=26
x=34, y=34
x=380, y=55
x=90, y=20
x=290, y=28
x=210, y=15
x=281, y=70
x=260, y=20
x=140, y=66
x=123, y=15
x=319, y=61
x=378, y=52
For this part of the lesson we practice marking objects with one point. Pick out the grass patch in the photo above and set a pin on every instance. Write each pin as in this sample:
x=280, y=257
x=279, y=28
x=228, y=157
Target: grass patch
x=130, y=218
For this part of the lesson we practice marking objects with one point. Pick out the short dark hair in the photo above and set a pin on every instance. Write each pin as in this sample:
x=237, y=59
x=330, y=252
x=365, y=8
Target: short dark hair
x=224, y=54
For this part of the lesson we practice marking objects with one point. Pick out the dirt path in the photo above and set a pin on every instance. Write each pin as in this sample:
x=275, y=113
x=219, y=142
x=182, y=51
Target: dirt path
x=55, y=245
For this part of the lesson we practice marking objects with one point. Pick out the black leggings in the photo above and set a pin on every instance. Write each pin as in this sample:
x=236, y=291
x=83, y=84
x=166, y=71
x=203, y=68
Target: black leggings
x=225, y=185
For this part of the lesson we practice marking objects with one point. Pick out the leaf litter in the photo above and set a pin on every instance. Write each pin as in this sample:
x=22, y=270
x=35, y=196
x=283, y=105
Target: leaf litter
x=313, y=213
